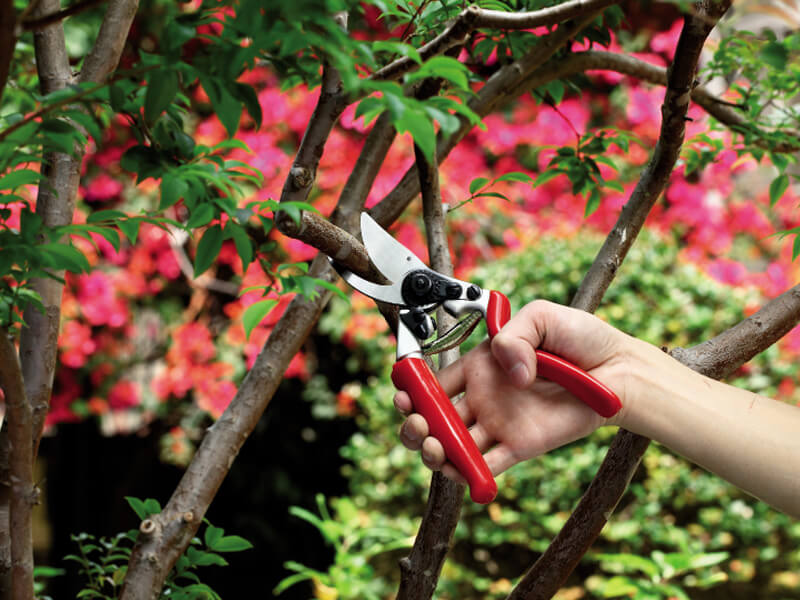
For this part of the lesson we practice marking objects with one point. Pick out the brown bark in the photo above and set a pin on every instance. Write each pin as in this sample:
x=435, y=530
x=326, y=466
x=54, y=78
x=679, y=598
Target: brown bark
x=8, y=39
x=22, y=494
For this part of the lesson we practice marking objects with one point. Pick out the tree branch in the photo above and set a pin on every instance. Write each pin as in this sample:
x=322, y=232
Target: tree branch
x=474, y=17
x=589, y=60
x=420, y=570
x=104, y=56
x=8, y=39
x=720, y=356
x=60, y=15
x=20, y=462
x=551, y=570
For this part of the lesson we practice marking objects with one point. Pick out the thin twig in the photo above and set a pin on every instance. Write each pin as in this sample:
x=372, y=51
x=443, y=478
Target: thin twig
x=60, y=15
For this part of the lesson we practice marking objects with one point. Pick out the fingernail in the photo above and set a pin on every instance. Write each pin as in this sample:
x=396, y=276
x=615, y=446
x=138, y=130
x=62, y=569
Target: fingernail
x=519, y=374
x=410, y=435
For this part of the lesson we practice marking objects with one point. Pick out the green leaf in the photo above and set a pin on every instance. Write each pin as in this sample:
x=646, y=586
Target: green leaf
x=208, y=249
x=64, y=256
x=255, y=313
x=130, y=228
x=515, y=176
x=249, y=98
x=242, y=241
x=20, y=177
x=592, y=203
x=546, y=176
x=227, y=108
x=628, y=563
x=173, y=188
x=162, y=86
x=477, y=184
x=201, y=216
x=777, y=188
x=775, y=55
x=231, y=543
x=796, y=247
x=213, y=535
x=106, y=215
x=138, y=506
x=421, y=129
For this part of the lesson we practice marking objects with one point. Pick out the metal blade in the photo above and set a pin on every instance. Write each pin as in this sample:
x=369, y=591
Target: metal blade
x=390, y=256
x=390, y=294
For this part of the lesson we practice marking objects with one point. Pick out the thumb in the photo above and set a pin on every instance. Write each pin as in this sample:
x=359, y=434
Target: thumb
x=514, y=347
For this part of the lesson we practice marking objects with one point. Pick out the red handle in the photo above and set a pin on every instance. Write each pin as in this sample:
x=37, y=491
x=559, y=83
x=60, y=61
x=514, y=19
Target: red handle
x=573, y=379
x=412, y=375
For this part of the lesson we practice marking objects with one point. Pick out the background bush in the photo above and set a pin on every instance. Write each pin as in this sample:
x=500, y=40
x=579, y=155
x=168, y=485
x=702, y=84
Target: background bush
x=678, y=530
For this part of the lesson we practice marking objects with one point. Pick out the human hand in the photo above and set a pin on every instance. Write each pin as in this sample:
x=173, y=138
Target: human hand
x=512, y=415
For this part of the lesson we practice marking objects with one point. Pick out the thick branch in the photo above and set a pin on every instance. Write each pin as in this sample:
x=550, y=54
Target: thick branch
x=720, y=356
x=20, y=463
x=156, y=553
x=547, y=575
x=303, y=172
x=681, y=81
x=419, y=571
x=104, y=56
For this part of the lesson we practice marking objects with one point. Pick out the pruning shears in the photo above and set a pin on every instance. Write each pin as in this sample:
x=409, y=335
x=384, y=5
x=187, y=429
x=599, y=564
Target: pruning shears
x=417, y=290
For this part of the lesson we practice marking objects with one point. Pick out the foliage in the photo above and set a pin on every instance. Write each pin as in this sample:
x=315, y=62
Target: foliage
x=103, y=561
x=677, y=527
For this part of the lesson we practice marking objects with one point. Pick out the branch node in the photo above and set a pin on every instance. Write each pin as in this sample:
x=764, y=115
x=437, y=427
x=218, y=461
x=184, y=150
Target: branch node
x=147, y=527
x=188, y=517
x=300, y=177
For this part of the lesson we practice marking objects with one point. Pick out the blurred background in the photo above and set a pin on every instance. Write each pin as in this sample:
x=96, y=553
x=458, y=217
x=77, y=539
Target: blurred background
x=150, y=357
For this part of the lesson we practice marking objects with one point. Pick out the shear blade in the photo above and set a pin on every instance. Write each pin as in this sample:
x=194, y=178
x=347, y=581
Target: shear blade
x=390, y=256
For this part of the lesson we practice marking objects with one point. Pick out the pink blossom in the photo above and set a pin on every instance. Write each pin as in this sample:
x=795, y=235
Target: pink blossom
x=76, y=344
x=102, y=188
x=124, y=394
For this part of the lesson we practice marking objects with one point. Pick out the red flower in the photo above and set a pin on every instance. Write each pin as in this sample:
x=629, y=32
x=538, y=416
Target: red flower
x=103, y=188
x=124, y=394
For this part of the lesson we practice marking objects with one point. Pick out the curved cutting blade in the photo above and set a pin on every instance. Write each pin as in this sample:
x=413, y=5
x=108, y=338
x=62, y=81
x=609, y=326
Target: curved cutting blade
x=390, y=294
x=390, y=256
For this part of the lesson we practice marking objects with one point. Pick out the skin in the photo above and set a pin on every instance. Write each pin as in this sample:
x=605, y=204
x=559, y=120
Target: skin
x=750, y=440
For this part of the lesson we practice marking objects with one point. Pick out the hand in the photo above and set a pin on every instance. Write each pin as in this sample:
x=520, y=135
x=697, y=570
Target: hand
x=511, y=415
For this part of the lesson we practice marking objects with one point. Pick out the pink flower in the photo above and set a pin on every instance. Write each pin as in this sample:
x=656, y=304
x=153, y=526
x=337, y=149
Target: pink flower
x=102, y=188
x=76, y=344
x=124, y=394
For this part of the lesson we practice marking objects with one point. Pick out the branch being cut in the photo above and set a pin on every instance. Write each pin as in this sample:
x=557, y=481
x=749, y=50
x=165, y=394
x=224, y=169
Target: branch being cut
x=420, y=570
x=23, y=494
x=547, y=575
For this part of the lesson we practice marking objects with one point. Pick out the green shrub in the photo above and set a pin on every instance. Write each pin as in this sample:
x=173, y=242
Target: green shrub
x=677, y=527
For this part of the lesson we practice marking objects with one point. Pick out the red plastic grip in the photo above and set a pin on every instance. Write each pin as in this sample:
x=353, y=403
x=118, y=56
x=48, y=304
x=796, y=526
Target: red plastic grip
x=412, y=375
x=573, y=379
x=498, y=312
